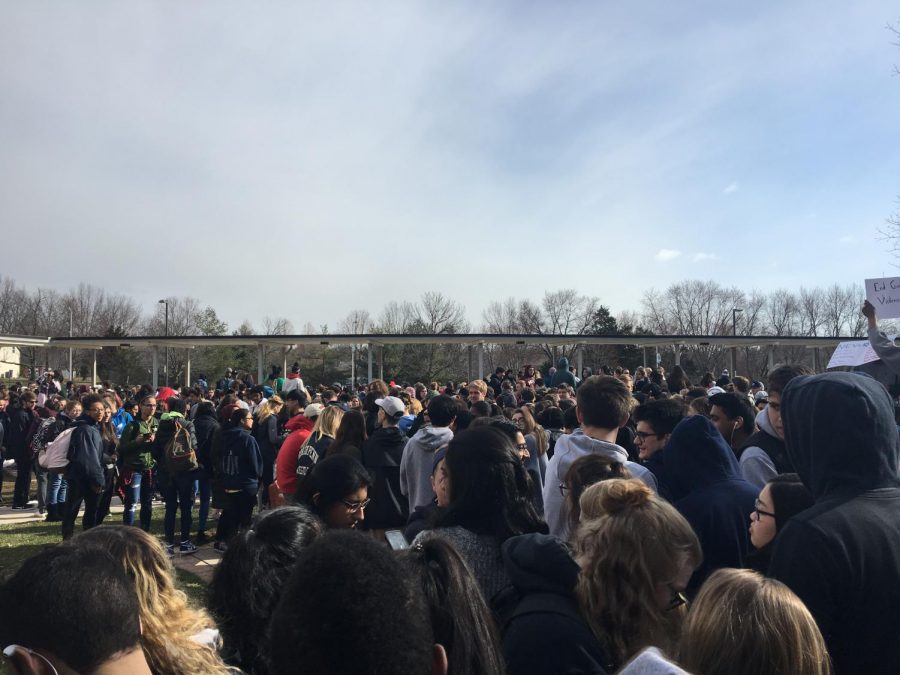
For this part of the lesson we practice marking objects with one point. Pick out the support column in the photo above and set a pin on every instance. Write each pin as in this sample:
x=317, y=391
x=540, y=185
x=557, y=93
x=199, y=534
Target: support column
x=816, y=361
x=154, y=378
x=644, y=355
x=481, y=360
x=284, y=364
x=260, y=354
x=770, y=360
x=187, y=369
x=732, y=360
x=94, y=368
x=579, y=360
x=469, y=363
x=656, y=357
x=353, y=365
x=381, y=362
x=677, y=355
x=370, y=362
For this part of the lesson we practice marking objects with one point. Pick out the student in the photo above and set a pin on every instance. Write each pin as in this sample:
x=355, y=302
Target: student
x=249, y=580
x=337, y=491
x=176, y=637
x=782, y=498
x=416, y=463
x=604, y=406
x=461, y=620
x=350, y=606
x=382, y=455
x=75, y=611
x=842, y=556
x=85, y=474
x=743, y=624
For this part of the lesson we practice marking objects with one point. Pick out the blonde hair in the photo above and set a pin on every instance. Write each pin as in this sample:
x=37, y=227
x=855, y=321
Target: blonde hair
x=327, y=424
x=415, y=406
x=167, y=619
x=480, y=385
x=628, y=545
x=743, y=622
x=268, y=409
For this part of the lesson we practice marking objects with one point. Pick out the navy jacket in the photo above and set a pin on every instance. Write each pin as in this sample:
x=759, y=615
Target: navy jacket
x=242, y=464
x=702, y=478
x=85, y=452
x=18, y=422
x=842, y=556
x=543, y=631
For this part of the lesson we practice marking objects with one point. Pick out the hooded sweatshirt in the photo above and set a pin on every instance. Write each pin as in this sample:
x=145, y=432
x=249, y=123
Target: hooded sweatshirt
x=293, y=381
x=542, y=628
x=562, y=374
x=85, y=451
x=381, y=455
x=842, y=556
x=298, y=427
x=703, y=480
x=417, y=461
x=242, y=464
x=763, y=456
x=568, y=448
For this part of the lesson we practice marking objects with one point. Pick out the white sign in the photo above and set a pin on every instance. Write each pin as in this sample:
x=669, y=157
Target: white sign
x=884, y=294
x=852, y=354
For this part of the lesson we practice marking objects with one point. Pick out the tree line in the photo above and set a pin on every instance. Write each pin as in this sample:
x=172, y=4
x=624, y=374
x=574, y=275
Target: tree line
x=690, y=307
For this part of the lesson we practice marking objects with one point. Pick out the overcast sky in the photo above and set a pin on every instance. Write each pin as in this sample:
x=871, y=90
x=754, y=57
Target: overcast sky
x=306, y=159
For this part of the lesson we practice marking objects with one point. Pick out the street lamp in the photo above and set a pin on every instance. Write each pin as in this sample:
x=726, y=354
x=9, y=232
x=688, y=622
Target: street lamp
x=166, y=367
x=734, y=313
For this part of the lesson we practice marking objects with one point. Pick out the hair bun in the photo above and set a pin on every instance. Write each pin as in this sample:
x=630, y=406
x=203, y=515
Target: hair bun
x=621, y=494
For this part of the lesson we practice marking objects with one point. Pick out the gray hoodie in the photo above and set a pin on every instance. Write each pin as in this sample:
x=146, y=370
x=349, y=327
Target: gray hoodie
x=756, y=465
x=569, y=448
x=416, y=464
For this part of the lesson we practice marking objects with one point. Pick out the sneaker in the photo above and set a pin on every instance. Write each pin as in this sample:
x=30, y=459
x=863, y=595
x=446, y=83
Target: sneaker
x=186, y=547
x=201, y=539
x=170, y=550
x=220, y=546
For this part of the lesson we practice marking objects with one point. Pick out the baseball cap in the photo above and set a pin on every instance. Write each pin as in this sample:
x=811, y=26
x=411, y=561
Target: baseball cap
x=392, y=406
x=313, y=410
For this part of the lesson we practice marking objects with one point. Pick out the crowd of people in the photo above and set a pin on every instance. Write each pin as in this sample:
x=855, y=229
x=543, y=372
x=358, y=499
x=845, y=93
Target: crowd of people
x=573, y=523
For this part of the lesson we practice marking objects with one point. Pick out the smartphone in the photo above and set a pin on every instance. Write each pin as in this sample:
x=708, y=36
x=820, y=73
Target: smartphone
x=396, y=540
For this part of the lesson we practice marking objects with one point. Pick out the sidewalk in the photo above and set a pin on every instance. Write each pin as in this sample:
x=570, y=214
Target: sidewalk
x=201, y=564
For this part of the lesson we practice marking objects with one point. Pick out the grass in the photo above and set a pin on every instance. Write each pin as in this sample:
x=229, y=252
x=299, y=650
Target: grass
x=20, y=541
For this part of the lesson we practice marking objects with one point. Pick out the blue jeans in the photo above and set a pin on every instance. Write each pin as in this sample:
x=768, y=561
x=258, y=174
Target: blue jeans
x=178, y=492
x=56, y=489
x=204, y=487
x=139, y=492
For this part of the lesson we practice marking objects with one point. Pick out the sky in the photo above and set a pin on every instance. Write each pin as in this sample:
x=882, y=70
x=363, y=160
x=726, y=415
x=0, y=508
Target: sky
x=306, y=159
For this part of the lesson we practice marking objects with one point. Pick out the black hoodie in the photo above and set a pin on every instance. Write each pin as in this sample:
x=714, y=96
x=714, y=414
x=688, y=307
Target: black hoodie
x=543, y=631
x=700, y=475
x=381, y=455
x=842, y=556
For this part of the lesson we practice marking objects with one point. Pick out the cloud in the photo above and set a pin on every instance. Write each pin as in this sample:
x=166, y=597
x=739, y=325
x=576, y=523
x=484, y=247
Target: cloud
x=731, y=188
x=699, y=257
x=847, y=239
x=666, y=254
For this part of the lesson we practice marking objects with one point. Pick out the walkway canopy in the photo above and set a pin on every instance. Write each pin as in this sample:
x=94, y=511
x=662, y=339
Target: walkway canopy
x=474, y=341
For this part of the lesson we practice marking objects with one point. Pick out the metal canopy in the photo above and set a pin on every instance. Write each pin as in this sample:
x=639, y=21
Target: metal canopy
x=469, y=339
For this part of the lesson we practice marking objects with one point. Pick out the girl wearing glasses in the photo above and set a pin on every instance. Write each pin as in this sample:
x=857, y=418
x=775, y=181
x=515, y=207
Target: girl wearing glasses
x=337, y=491
x=781, y=498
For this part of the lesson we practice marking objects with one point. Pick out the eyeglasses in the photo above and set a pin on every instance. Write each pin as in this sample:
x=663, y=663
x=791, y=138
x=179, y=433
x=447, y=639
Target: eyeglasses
x=97, y=410
x=644, y=435
x=353, y=507
x=10, y=650
x=760, y=513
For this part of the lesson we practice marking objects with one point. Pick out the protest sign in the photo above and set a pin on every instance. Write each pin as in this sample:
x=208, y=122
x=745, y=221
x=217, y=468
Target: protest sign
x=853, y=353
x=884, y=294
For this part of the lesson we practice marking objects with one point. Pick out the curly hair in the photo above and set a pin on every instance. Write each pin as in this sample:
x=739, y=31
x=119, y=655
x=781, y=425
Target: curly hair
x=630, y=544
x=167, y=619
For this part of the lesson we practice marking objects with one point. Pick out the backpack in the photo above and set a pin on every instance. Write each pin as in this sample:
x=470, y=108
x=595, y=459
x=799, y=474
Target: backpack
x=181, y=456
x=55, y=457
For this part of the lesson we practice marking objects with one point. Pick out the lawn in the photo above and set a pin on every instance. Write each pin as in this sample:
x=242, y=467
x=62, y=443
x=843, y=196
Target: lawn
x=19, y=541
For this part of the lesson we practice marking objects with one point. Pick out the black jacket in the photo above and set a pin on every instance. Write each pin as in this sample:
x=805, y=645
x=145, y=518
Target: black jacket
x=842, y=556
x=164, y=433
x=381, y=455
x=543, y=632
x=241, y=460
x=85, y=453
x=18, y=423
x=702, y=479
x=206, y=426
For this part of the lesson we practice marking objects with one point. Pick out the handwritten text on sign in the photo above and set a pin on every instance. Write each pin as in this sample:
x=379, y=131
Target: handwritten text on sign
x=884, y=294
x=853, y=353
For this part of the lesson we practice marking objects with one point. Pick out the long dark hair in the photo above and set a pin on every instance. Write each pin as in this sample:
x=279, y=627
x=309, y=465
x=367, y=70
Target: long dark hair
x=489, y=489
x=460, y=617
x=248, y=581
x=351, y=431
x=332, y=478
